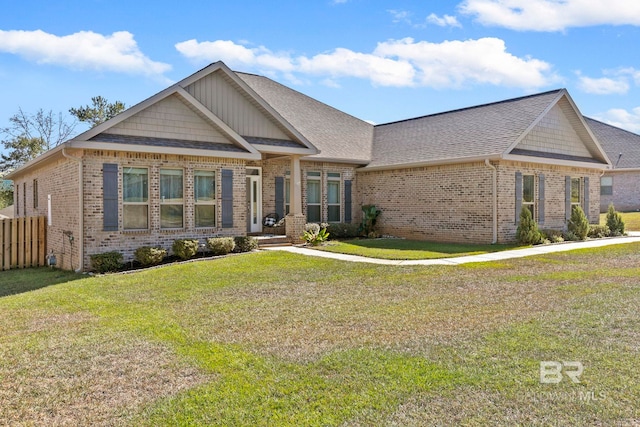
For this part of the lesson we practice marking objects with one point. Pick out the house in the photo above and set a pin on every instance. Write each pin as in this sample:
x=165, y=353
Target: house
x=217, y=151
x=621, y=184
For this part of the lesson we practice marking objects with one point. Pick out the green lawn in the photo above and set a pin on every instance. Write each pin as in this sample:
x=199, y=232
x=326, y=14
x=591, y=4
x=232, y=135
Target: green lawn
x=274, y=339
x=631, y=220
x=401, y=249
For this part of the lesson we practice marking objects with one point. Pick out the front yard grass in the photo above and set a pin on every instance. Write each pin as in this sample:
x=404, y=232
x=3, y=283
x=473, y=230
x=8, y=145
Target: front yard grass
x=404, y=249
x=631, y=220
x=274, y=339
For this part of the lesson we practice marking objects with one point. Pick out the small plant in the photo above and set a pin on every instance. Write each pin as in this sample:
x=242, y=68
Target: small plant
x=578, y=223
x=221, y=245
x=343, y=230
x=553, y=236
x=245, y=243
x=106, y=262
x=527, y=232
x=148, y=255
x=614, y=222
x=369, y=219
x=570, y=236
x=315, y=234
x=185, y=248
x=598, y=231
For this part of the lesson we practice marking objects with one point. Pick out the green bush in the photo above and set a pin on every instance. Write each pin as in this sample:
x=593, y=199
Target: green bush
x=598, y=231
x=343, y=230
x=527, y=232
x=553, y=236
x=370, y=216
x=221, y=245
x=106, y=262
x=578, y=223
x=315, y=234
x=185, y=248
x=245, y=243
x=614, y=222
x=148, y=255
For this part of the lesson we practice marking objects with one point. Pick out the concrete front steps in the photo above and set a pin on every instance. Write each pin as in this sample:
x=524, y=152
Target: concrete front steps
x=270, y=241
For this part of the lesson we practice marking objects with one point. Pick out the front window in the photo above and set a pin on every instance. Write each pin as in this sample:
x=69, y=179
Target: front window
x=171, y=198
x=333, y=197
x=205, y=198
x=528, y=189
x=135, y=198
x=575, y=191
x=314, y=197
x=606, y=186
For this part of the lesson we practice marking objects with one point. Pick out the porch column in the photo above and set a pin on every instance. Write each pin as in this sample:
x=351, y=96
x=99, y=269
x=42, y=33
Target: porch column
x=295, y=220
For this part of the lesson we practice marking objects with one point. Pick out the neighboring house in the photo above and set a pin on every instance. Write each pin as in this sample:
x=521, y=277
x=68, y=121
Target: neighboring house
x=217, y=151
x=621, y=184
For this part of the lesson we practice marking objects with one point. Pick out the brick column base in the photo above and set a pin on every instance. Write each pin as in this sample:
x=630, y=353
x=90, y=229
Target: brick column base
x=294, y=226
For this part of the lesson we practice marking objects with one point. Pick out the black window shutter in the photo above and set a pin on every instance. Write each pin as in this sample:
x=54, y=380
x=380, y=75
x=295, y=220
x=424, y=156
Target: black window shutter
x=347, y=200
x=541, y=199
x=586, y=196
x=280, y=196
x=227, y=198
x=110, y=197
x=518, y=196
x=567, y=198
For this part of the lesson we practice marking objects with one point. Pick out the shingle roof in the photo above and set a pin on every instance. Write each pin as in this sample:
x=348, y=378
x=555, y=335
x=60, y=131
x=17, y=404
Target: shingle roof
x=164, y=142
x=336, y=134
x=484, y=130
x=615, y=141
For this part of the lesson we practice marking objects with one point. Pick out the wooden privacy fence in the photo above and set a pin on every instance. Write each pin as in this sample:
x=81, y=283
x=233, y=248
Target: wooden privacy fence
x=23, y=242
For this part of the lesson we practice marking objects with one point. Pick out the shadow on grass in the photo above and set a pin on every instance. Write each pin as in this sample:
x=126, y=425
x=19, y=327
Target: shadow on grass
x=18, y=281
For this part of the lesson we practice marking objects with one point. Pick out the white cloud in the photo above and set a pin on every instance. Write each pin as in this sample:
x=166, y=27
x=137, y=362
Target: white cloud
x=552, y=15
x=622, y=118
x=603, y=85
x=445, y=21
x=83, y=50
x=400, y=16
x=392, y=63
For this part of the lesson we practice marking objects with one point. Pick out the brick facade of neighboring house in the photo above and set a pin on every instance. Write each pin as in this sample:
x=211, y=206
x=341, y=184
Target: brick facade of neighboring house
x=623, y=190
x=459, y=176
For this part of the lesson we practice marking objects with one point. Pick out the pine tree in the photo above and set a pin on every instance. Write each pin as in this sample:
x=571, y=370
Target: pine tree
x=527, y=232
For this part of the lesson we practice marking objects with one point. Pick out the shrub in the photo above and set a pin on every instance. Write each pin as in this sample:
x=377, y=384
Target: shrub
x=553, y=236
x=578, y=223
x=614, y=222
x=106, y=262
x=343, y=230
x=147, y=255
x=185, y=248
x=315, y=234
x=370, y=216
x=245, y=243
x=221, y=245
x=598, y=231
x=527, y=232
x=570, y=236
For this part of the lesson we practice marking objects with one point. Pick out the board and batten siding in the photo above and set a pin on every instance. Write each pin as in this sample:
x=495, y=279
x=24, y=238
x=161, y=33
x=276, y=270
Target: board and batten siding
x=225, y=99
x=170, y=119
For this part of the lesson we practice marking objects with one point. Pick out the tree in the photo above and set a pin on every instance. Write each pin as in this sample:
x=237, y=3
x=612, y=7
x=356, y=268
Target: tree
x=527, y=232
x=29, y=135
x=99, y=112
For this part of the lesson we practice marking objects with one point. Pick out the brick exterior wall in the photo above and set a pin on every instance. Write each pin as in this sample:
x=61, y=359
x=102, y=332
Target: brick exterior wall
x=125, y=241
x=626, y=191
x=60, y=180
x=453, y=203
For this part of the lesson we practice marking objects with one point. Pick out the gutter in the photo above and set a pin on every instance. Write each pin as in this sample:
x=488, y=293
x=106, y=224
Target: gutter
x=80, y=209
x=495, y=200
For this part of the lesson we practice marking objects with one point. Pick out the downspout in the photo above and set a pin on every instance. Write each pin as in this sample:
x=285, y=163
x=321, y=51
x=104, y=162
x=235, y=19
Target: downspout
x=495, y=200
x=80, y=209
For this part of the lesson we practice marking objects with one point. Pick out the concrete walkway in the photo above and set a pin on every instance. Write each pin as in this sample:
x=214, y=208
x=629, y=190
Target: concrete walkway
x=494, y=256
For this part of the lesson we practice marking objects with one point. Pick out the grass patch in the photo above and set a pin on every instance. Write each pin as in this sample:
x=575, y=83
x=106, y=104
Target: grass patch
x=631, y=220
x=273, y=338
x=403, y=249
x=25, y=280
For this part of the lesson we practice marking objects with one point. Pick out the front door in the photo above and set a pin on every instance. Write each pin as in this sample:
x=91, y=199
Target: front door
x=254, y=200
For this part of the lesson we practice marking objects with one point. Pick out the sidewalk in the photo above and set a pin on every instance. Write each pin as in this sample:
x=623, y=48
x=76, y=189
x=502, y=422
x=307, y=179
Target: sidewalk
x=495, y=256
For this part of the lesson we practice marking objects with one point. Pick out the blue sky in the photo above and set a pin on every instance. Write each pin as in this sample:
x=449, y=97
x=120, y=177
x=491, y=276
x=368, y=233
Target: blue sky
x=377, y=60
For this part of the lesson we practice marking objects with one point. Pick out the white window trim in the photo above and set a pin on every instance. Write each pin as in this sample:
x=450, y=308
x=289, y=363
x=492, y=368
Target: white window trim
x=125, y=203
x=337, y=179
x=213, y=203
x=317, y=178
x=163, y=203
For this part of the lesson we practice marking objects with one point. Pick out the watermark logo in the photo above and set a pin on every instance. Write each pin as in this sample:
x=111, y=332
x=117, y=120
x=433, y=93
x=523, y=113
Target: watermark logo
x=551, y=372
